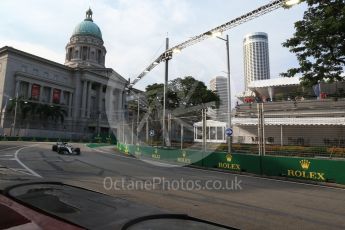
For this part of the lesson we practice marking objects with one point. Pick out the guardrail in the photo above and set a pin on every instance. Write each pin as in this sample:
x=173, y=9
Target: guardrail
x=96, y=139
x=306, y=168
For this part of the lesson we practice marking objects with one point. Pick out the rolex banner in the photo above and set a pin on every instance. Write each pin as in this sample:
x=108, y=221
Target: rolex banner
x=56, y=96
x=35, y=92
x=320, y=170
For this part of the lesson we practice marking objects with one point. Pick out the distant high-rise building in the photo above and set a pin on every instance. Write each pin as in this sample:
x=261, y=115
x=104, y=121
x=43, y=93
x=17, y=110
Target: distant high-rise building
x=256, y=57
x=219, y=86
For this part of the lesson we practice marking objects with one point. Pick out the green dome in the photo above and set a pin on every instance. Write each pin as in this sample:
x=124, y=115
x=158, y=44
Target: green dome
x=87, y=27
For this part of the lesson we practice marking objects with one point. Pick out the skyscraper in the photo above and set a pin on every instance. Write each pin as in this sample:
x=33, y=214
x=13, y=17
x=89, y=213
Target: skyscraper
x=256, y=57
x=219, y=86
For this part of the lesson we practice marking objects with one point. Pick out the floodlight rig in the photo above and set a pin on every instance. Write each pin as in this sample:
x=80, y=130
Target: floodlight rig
x=167, y=55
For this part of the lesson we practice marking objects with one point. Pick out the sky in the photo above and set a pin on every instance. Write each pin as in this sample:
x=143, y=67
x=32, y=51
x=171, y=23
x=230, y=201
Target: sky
x=134, y=33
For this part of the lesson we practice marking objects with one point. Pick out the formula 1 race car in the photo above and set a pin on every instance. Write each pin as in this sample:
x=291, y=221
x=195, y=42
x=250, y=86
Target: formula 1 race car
x=65, y=148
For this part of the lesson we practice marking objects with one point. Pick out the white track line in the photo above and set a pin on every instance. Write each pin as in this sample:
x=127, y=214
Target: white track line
x=10, y=148
x=23, y=165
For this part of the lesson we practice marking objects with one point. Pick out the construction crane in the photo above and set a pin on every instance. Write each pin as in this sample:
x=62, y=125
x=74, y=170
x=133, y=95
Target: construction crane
x=167, y=55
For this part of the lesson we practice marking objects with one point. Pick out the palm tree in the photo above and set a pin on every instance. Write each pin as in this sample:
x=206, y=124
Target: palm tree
x=58, y=113
x=34, y=110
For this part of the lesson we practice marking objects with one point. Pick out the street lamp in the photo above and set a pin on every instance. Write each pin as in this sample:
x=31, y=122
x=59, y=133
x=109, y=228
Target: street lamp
x=15, y=115
x=292, y=2
x=138, y=113
x=217, y=34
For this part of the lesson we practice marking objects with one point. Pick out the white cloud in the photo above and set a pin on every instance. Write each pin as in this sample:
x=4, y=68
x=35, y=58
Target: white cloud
x=134, y=32
x=34, y=49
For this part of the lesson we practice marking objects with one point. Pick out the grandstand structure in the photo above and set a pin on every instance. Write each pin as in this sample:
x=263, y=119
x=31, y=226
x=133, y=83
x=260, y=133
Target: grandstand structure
x=293, y=115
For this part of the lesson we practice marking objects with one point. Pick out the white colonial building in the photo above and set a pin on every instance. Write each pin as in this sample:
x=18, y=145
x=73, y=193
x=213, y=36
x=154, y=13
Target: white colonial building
x=91, y=94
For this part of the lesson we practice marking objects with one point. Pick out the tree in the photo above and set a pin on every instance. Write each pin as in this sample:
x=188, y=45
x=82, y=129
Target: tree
x=192, y=92
x=34, y=110
x=319, y=42
x=184, y=93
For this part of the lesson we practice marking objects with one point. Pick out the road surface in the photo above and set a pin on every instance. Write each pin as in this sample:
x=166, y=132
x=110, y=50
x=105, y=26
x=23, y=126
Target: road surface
x=247, y=202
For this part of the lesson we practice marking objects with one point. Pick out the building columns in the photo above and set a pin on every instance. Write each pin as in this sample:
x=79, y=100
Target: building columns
x=29, y=90
x=41, y=93
x=89, y=100
x=51, y=95
x=120, y=100
x=70, y=104
x=84, y=97
x=110, y=105
x=62, y=97
x=100, y=98
x=16, y=93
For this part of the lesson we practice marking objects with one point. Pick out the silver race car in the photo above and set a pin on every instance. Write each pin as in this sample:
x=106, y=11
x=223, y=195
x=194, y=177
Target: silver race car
x=65, y=148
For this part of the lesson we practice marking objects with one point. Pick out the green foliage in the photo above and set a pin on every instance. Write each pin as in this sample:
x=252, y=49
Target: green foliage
x=34, y=110
x=182, y=93
x=319, y=42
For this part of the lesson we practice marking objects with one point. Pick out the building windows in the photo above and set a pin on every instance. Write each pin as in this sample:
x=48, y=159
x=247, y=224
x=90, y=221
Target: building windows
x=35, y=92
x=84, y=53
x=46, y=95
x=93, y=86
x=24, y=89
x=99, y=56
x=56, y=96
x=270, y=140
x=35, y=71
x=24, y=68
x=70, y=50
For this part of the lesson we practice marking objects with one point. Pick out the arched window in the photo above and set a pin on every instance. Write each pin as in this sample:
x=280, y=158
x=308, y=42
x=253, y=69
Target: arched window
x=76, y=54
x=69, y=54
x=99, y=56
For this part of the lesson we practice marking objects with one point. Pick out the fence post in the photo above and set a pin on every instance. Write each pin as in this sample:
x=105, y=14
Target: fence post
x=204, y=126
x=123, y=131
x=147, y=130
x=281, y=135
x=169, y=130
x=261, y=134
x=259, y=125
x=132, y=133
x=181, y=136
x=261, y=129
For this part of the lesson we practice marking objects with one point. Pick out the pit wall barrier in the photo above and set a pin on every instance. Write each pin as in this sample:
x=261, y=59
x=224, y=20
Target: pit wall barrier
x=319, y=170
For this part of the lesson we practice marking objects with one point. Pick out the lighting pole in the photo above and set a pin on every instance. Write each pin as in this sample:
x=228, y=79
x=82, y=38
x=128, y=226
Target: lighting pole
x=165, y=92
x=138, y=118
x=217, y=35
x=15, y=116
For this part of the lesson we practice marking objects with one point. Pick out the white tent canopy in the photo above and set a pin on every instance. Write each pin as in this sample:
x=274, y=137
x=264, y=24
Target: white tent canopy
x=215, y=131
x=281, y=81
